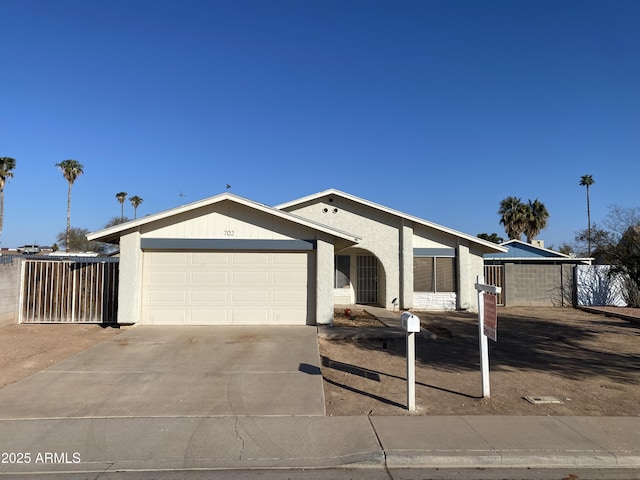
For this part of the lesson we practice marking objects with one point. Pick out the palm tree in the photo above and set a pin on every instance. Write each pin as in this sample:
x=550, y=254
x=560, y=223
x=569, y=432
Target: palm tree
x=135, y=201
x=6, y=165
x=537, y=219
x=513, y=215
x=587, y=181
x=121, y=196
x=71, y=169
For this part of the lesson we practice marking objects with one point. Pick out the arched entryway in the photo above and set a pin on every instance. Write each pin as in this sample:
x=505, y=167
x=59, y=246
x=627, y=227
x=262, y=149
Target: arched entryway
x=359, y=278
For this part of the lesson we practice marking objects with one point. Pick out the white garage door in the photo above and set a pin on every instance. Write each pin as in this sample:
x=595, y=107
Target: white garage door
x=225, y=288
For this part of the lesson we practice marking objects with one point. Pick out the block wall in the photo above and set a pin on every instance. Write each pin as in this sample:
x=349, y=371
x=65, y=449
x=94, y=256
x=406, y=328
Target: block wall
x=9, y=292
x=538, y=285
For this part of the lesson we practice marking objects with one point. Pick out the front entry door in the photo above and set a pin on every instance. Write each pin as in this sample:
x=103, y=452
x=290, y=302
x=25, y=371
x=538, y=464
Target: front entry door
x=367, y=283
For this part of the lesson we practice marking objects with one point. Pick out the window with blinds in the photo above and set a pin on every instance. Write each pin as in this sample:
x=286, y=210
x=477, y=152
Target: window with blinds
x=423, y=278
x=434, y=274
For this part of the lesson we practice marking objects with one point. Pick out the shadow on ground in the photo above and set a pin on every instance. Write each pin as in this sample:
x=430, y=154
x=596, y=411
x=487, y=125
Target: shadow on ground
x=574, y=347
x=591, y=363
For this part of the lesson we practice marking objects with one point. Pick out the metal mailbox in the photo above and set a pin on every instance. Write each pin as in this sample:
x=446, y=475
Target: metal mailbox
x=410, y=322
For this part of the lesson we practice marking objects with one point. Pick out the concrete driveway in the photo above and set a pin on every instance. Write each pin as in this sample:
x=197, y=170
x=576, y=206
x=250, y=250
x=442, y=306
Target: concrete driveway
x=177, y=371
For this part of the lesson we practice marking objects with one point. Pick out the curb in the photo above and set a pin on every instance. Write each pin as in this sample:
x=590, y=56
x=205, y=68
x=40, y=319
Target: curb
x=496, y=459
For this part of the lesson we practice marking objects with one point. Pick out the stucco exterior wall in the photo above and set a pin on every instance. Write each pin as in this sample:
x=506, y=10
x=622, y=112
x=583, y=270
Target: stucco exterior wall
x=324, y=281
x=391, y=239
x=9, y=292
x=379, y=232
x=130, y=279
x=343, y=296
x=475, y=267
x=425, y=237
x=406, y=299
x=538, y=285
x=226, y=220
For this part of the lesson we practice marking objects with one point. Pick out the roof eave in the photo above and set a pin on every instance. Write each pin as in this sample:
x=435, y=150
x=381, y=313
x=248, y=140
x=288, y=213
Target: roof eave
x=112, y=233
x=540, y=259
x=332, y=191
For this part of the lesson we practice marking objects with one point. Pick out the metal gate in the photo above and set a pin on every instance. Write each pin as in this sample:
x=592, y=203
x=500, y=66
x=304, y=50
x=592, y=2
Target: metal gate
x=367, y=280
x=84, y=290
x=494, y=275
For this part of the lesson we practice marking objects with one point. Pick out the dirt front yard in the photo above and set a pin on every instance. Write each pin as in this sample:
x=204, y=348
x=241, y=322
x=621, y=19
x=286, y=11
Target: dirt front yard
x=27, y=349
x=588, y=363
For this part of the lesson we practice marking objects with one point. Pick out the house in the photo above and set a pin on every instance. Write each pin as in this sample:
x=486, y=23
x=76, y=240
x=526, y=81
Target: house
x=230, y=260
x=531, y=275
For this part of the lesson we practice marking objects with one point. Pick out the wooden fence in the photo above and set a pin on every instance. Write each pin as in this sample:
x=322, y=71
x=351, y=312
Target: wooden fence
x=82, y=290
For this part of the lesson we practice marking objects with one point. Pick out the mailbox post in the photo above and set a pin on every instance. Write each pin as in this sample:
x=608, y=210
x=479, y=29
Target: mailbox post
x=411, y=325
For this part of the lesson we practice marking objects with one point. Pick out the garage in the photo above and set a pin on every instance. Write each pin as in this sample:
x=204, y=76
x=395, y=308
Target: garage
x=225, y=260
x=227, y=288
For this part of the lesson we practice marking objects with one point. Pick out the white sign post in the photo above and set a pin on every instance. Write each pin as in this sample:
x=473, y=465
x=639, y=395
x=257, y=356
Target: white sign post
x=490, y=328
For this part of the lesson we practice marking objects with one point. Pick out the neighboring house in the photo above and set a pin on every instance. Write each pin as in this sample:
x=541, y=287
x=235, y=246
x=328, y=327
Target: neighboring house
x=531, y=275
x=230, y=260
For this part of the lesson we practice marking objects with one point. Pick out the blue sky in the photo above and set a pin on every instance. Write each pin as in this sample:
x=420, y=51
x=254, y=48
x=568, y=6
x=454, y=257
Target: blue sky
x=439, y=109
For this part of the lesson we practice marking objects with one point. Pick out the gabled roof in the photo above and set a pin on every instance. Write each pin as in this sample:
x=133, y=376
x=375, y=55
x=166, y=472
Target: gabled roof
x=112, y=234
x=519, y=250
x=332, y=191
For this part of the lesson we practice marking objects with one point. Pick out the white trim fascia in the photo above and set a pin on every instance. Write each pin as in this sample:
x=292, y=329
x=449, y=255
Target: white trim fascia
x=216, y=199
x=391, y=211
x=538, y=259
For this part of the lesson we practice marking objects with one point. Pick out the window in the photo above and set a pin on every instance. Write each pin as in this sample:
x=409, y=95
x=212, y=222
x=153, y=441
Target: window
x=445, y=274
x=341, y=277
x=434, y=274
x=423, y=274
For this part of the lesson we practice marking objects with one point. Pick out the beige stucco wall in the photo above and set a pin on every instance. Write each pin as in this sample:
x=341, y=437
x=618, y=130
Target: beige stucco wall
x=379, y=233
x=226, y=220
x=130, y=279
x=471, y=265
x=392, y=239
x=324, y=280
x=406, y=300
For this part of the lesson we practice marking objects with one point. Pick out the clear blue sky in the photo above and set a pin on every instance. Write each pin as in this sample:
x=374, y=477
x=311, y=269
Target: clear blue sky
x=436, y=108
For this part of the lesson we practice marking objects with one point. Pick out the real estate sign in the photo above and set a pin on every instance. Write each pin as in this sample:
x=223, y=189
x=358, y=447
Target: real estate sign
x=491, y=316
x=487, y=326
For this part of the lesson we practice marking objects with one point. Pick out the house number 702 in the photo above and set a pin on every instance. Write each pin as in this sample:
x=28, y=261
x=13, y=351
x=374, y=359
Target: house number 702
x=229, y=233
